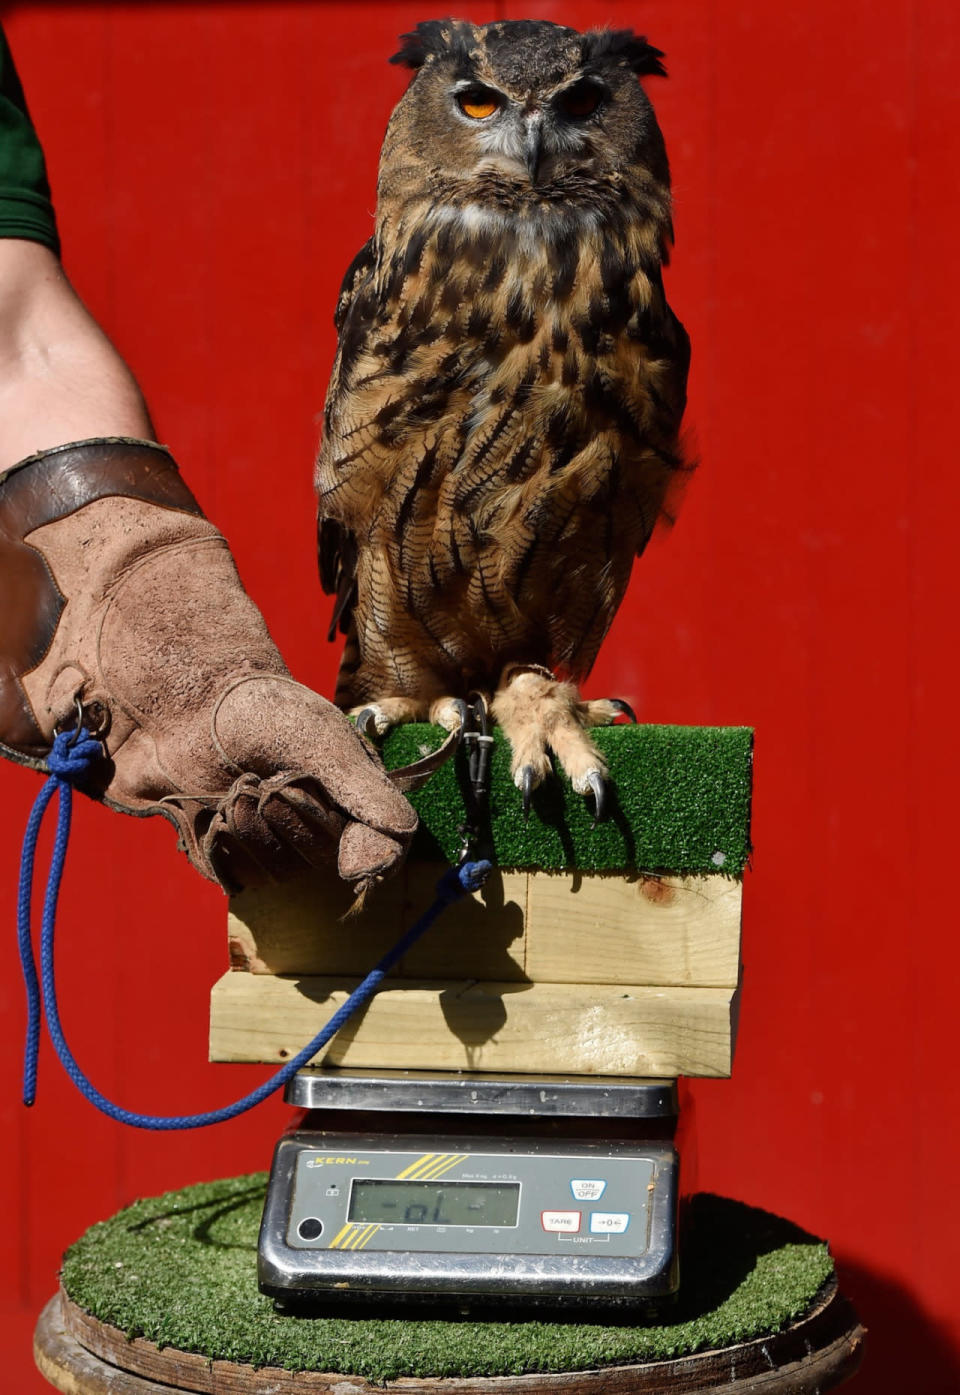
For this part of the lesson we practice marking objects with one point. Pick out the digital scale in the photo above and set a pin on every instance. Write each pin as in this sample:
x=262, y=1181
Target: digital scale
x=471, y=1191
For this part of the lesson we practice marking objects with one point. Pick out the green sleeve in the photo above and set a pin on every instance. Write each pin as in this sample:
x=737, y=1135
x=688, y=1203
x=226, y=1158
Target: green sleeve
x=25, y=207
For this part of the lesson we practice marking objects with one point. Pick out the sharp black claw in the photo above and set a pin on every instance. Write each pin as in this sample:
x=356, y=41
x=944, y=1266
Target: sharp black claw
x=623, y=709
x=478, y=710
x=599, y=787
x=366, y=723
x=527, y=789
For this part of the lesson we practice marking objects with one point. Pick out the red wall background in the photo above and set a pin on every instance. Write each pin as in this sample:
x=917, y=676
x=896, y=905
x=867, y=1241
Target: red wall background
x=213, y=166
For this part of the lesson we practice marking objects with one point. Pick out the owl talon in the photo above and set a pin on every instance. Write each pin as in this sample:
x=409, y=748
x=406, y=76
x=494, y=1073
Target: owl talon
x=453, y=714
x=623, y=709
x=599, y=787
x=366, y=723
x=526, y=786
x=463, y=711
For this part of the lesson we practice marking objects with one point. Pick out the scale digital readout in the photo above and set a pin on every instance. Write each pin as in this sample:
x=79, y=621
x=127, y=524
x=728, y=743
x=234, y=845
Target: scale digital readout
x=441, y=1204
x=472, y=1189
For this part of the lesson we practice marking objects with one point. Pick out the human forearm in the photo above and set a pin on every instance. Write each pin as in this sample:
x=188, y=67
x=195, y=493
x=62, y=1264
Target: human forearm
x=60, y=377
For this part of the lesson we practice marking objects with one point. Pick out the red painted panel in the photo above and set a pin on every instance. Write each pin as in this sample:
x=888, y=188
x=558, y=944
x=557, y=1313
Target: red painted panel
x=213, y=166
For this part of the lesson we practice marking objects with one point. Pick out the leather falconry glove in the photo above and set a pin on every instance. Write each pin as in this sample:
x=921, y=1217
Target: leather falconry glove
x=120, y=603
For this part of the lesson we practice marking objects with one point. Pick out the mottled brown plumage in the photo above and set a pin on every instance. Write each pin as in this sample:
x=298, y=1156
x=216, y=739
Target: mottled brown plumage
x=501, y=426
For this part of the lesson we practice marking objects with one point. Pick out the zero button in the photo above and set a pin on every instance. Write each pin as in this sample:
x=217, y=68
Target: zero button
x=609, y=1222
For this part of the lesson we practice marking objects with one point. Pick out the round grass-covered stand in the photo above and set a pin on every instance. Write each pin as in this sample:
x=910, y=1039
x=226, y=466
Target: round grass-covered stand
x=164, y=1296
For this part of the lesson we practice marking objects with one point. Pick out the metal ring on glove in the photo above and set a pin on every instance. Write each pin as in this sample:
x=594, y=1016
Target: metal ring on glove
x=97, y=728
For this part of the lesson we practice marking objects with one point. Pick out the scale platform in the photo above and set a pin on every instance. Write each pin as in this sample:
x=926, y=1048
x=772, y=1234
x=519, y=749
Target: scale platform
x=472, y=1191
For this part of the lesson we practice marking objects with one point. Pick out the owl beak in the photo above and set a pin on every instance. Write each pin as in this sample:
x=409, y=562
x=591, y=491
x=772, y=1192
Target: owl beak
x=533, y=143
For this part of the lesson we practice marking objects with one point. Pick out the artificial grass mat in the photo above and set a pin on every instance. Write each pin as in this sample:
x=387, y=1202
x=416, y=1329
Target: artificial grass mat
x=680, y=802
x=181, y=1270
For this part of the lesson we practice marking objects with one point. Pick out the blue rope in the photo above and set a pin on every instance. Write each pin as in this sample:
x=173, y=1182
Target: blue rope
x=69, y=763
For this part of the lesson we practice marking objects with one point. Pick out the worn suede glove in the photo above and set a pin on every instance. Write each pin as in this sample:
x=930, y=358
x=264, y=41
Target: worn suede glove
x=121, y=602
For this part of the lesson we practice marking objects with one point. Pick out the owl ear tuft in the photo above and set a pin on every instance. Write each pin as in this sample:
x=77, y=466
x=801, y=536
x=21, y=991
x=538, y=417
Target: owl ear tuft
x=643, y=58
x=413, y=49
x=431, y=38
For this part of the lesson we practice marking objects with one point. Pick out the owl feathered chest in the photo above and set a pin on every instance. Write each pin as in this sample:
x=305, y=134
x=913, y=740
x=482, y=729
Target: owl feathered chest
x=499, y=434
x=486, y=354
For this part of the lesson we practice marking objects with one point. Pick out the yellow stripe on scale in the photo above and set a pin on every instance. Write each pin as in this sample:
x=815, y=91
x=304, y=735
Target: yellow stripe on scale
x=431, y=1165
x=366, y=1234
x=412, y=1169
x=444, y=1165
x=353, y=1236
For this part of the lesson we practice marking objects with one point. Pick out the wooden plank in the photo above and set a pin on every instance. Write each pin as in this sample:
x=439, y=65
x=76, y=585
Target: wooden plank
x=480, y=936
x=303, y=927
x=300, y=925
x=560, y=927
x=622, y=928
x=537, y=1028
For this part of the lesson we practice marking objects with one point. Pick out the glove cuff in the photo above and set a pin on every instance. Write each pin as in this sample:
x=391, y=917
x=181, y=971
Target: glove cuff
x=52, y=483
x=39, y=490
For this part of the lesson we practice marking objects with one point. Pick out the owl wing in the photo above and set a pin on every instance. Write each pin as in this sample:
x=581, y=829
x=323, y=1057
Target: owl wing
x=336, y=545
x=670, y=346
x=337, y=557
x=359, y=271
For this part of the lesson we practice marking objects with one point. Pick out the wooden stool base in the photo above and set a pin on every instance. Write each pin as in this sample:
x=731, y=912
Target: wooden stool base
x=79, y=1355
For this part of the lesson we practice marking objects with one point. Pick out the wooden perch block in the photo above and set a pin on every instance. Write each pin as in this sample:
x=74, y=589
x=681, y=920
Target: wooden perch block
x=559, y=927
x=629, y=928
x=558, y=972
x=606, y=1029
x=602, y=968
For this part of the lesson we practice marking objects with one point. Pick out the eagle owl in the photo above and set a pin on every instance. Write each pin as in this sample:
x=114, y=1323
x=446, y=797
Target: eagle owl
x=501, y=426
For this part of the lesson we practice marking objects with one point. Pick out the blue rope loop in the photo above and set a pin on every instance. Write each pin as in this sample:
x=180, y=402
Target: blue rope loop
x=71, y=758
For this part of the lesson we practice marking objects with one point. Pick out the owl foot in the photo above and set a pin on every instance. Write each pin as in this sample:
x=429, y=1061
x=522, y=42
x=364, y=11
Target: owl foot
x=539, y=714
x=367, y=719
x=527, y=778
x=604, y=713
x=526, y=781
x=375, y=719
x=465, y=721
x=449, y=713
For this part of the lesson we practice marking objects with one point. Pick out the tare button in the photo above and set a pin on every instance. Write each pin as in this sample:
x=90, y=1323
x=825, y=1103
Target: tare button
x=587, y=1188
x=609, y=1222
x=566, y=1222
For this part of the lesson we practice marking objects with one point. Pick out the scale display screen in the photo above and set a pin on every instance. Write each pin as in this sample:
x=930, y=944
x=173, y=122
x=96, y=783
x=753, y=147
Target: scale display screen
x=434, y=1203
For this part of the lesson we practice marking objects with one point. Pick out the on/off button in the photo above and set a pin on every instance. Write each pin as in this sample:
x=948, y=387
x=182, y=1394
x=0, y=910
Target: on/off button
x=563, y=1222
x=587, y=1188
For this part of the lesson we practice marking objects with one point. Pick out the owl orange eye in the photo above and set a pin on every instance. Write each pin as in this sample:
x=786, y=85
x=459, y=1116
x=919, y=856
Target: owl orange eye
x=478, y=108
x=580, y=101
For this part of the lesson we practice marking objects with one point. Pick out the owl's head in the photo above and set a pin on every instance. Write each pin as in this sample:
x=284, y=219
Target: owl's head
x=525, y=109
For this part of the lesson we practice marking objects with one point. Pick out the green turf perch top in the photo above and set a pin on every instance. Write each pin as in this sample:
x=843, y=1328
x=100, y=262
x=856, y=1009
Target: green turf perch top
x=681, y=803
